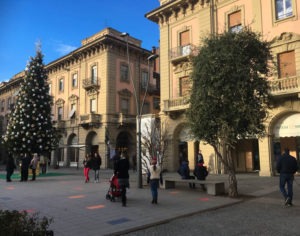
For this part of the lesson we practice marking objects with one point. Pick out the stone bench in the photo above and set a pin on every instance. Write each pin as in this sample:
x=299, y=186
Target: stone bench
x=212, y=187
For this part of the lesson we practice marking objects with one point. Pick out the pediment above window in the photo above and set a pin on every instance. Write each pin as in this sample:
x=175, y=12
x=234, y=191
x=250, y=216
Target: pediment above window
x=73, y=97
x=286, y=37
x=60, y=101
x=125, y=92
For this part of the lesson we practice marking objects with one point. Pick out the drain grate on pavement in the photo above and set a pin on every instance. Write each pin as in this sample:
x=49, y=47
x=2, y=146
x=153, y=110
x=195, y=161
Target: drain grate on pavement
x=118, y=221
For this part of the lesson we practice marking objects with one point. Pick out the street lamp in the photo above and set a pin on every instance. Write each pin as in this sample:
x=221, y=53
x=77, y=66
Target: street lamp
x=139, y=110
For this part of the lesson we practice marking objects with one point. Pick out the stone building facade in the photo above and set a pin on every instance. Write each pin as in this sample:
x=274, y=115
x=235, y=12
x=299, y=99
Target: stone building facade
x=95, y=90
x=182, y=24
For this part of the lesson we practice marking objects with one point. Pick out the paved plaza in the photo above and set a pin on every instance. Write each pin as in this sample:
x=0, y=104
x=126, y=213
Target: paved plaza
x=80, y=208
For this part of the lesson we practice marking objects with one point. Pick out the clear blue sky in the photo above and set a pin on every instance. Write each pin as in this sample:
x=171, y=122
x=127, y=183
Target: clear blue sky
x=60, y=25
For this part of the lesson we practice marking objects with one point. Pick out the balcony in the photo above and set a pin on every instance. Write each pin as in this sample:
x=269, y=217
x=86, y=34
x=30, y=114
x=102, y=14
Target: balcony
x=175, y=107
x=90, y=120
x=182, y=52
x=91, y=83
x=152, y=89
x=126, y=120
x=59, y=124
x=288, y=86
x=177, y=104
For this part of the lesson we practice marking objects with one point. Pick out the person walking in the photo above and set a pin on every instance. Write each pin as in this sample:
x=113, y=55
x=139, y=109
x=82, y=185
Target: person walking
x=154, y=177
x=96, y=163
x=43, y=163
x=25, y=161
x=87, y=167
x=10, y=167
x=33, y=165
x=287, y=167
x=121, y=169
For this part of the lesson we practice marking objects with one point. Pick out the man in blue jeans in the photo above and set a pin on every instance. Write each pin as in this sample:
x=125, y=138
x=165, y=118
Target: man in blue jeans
x=287, y=167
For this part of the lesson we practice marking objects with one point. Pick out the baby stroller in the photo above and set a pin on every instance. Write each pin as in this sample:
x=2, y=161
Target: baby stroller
x=114, y=189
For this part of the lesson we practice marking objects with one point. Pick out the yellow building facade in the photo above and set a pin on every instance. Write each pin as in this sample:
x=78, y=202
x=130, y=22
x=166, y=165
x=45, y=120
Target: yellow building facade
x=182, y=24
x=95, y=90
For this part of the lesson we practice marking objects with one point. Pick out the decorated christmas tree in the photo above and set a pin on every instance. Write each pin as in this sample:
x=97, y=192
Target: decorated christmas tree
x=30, y=128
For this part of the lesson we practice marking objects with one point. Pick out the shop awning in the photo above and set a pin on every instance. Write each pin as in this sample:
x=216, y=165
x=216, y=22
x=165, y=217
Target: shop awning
x=288, y=126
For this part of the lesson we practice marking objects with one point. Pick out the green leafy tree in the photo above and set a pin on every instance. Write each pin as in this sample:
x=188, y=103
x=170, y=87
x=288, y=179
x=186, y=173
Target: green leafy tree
x=230, y=93
x=30, y=128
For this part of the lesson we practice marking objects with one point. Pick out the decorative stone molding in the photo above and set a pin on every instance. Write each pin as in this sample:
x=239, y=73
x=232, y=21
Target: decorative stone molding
x=92, y=92
x=125, y=93
x=183, y=67
x=59, y=102
x=73, y=98
x=285, y=37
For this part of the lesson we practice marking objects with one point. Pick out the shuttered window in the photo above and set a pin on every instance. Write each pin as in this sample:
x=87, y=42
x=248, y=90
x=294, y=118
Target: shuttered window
x=235, y=21
x=286, y=64
x=185, y=38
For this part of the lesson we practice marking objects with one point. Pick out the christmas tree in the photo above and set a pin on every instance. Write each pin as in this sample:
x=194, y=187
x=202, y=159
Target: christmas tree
x=30, y=128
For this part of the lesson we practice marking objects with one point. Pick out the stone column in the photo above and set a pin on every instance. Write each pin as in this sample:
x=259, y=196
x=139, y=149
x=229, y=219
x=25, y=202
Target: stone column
x=265, y=156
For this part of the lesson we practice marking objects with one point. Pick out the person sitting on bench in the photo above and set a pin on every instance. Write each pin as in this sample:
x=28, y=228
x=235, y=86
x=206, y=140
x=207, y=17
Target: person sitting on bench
x=184, y=172
x=201, y=172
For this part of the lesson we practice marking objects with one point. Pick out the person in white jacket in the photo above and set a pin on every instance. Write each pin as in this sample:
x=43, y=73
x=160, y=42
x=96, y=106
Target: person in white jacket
x=154, y=177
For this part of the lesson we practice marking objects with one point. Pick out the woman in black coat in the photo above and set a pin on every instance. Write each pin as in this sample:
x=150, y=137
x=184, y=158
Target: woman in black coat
x=10, y=167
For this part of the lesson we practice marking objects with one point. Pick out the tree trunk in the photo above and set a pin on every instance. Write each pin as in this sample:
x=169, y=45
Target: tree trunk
x=232, y=188
x=226, y=159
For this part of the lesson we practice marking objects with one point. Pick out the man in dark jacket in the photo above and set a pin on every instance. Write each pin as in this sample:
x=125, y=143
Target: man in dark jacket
x=10, y=167
x=121, y=169
x=25, y=161
x=200, y=173
x=287, y=167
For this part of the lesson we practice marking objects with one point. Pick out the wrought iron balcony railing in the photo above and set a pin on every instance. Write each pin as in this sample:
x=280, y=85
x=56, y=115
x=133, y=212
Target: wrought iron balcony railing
x=183, y=51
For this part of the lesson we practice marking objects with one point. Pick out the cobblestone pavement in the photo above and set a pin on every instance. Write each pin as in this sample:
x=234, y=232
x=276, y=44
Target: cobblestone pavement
x=82, y=209
x=260, y=216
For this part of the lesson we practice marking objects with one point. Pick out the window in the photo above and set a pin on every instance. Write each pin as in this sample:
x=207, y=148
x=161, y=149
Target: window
x=2, y=105
x=286, y=64
x=74, y=80
x=50, y=89
x=146, y=108
x=61, y=85
x=185, y=38
x=156, y=103
x=94, y=75
x=59, y=113
x=124, y=73
x=93, y=105
x=185, y=43
x=9, y=103
x=124, y=105
x=144, y=81
x=235, y=21
x=184, y=86
x=72, y=114
x=283, y=9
